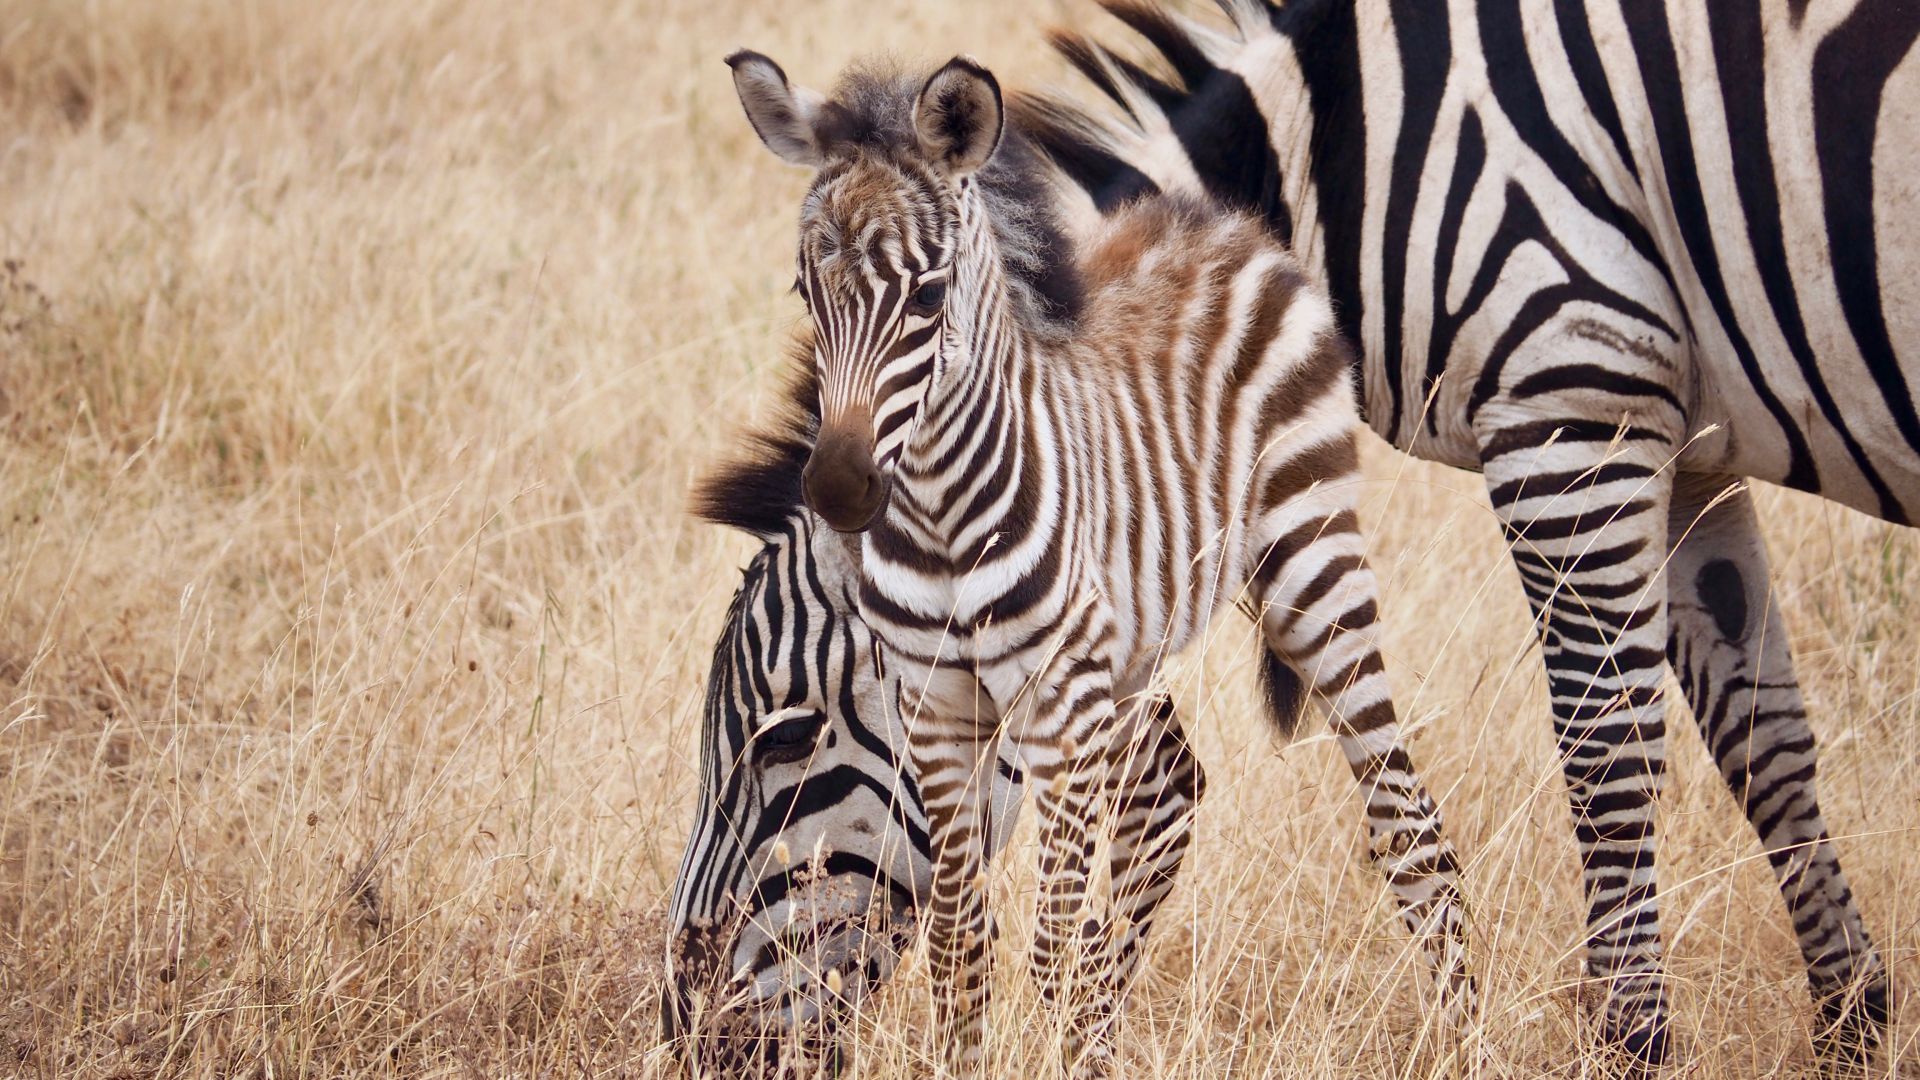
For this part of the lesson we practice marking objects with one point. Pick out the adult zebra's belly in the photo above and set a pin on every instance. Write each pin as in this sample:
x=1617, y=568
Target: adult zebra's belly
x=1834, y=428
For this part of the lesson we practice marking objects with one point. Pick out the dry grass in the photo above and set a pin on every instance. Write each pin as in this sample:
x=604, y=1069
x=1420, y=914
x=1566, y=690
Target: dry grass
x=354, y=359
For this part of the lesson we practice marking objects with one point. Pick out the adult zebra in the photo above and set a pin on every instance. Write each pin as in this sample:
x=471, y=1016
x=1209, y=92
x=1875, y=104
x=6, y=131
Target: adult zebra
x=1063, y=467
x=1574, y=257
x=808, y=857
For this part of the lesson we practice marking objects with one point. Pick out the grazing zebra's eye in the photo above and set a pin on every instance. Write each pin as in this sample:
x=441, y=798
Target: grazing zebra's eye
x=927, y=298
x=788, y=740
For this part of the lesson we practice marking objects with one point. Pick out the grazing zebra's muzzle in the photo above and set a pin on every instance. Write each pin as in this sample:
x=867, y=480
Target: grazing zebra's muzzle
x=842, y=482
x=752, y=1000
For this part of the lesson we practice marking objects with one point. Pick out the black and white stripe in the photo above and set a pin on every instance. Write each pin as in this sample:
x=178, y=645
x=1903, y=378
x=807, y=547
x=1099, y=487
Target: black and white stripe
x=1615, y=256
x=1054, y=497
x=809, y=852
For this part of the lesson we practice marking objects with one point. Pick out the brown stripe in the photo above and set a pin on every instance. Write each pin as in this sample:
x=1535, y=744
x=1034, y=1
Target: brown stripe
x=1298, y=472
x=1368, y=664
x=1270, y=304
x=1316, y=590
x=1285, y=549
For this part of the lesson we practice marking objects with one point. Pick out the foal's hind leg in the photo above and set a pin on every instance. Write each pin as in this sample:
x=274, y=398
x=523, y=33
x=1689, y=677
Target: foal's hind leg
x=1728, y=648
x=1160, y=785
x=1318, y=613
x=1156, y=783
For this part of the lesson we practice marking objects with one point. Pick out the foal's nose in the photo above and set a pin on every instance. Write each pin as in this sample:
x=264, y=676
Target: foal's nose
x=841, y=482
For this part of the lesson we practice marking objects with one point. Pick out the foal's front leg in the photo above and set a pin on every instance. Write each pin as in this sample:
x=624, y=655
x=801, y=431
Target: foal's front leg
x=1067, y=745
x=952, y=744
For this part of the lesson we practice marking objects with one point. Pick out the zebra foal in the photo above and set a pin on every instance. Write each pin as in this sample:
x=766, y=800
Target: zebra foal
x=1062, y=468
x=808, y=855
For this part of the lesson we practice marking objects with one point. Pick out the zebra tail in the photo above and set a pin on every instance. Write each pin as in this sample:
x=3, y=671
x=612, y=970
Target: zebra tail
x=1284, y=692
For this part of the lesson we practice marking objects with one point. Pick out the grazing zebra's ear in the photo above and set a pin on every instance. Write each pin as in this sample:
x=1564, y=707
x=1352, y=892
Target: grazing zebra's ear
x=959, y=117
x=781, y=114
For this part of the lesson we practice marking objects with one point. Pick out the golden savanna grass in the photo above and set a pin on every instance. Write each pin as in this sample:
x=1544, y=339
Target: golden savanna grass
x=355, y=359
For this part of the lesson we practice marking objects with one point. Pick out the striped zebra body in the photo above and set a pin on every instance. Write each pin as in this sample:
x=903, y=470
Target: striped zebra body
x=809, y=855
x=1063, y=469
x=1615, y=256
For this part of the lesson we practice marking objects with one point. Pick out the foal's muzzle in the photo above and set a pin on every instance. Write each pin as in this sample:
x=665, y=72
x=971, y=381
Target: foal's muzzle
x=842, y=483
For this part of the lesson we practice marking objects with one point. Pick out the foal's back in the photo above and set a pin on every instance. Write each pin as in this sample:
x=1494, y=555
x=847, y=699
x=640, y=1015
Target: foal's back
x=1215, y=395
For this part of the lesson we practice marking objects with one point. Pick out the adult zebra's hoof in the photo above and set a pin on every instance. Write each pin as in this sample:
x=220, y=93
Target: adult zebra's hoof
x=1641, y=1046
x=1851, y=1022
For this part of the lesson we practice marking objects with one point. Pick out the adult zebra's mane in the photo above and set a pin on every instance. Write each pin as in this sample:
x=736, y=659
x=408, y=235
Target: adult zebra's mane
x=758, y=489
x=870, y=112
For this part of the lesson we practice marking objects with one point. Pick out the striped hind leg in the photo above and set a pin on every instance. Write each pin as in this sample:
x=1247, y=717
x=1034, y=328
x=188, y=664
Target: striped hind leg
x=1160, y=786
x=1319, y=616
x=1585, y=511
x=1157, y=783
x=1729, y=650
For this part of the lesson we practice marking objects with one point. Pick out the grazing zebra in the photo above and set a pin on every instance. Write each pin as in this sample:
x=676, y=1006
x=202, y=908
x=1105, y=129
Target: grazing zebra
x=1573, y=256
x=809, y=854
x=1062, y=468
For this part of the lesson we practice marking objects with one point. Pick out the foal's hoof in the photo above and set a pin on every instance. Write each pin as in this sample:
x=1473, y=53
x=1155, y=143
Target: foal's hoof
x=1851, y=1021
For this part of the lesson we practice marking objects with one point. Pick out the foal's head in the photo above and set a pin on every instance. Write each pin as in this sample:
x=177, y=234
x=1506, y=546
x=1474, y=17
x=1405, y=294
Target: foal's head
x=926, y=232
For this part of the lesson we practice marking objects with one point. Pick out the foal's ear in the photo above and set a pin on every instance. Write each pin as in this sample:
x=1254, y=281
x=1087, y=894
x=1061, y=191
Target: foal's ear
x=782, y=114
x=959, y=117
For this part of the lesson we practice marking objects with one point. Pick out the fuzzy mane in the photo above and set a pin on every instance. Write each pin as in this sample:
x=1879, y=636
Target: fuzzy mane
x=758, y=489
x=871, y=112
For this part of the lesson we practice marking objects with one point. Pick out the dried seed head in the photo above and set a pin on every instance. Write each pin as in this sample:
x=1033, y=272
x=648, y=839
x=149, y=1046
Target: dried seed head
x=782, y=853
x=834, y=983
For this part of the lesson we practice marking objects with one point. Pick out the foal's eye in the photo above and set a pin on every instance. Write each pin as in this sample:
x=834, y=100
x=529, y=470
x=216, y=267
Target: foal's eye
x=789, y=740
x=927, y=298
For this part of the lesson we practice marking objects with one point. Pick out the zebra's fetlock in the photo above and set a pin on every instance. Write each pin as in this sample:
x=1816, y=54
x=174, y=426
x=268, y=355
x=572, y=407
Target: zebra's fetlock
x=1852, y=1019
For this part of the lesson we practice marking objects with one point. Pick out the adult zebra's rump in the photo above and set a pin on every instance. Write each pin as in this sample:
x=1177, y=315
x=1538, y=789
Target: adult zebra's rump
x=1615, y=256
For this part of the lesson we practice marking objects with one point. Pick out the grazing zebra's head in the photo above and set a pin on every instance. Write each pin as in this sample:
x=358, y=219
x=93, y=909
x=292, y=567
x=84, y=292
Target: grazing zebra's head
x=926, y=218
x=808, y=853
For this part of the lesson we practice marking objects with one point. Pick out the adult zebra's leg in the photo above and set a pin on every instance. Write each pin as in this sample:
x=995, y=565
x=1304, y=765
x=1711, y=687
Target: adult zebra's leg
x=1728, y=646
x=1584, y=505
x=1318, y=613
x=1158, y=782
x=953, y=750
